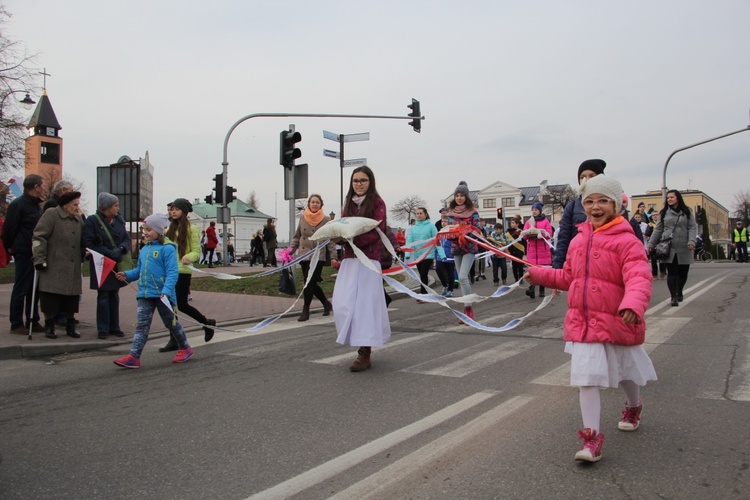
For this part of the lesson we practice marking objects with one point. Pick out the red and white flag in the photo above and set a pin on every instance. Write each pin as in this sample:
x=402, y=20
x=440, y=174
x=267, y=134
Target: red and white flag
x=102, y=266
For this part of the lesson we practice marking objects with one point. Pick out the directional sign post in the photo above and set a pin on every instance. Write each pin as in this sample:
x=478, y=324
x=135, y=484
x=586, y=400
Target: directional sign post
x=341, y=139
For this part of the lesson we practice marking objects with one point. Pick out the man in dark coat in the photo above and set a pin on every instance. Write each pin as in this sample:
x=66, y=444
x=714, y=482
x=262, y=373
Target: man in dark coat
x=21, y=219
x=105, y=232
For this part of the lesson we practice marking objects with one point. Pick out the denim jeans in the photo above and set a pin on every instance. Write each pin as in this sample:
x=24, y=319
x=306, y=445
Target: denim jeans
x=108, y=311
x=145, y=314
x=464, y=265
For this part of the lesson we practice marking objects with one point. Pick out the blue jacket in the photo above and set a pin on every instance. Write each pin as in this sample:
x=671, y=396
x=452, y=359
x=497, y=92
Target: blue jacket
x=421, y=230
x=443, y=252
x=574, y=215
x=157, y=271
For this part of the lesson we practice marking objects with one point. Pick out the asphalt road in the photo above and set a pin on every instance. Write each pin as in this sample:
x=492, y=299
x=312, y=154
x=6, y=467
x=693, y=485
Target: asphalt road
x=446, y=411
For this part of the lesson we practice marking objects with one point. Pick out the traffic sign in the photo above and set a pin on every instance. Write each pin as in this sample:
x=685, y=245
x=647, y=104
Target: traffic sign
x=357, y=137
x=331, y=136
x=357, y=162
x=330, y=154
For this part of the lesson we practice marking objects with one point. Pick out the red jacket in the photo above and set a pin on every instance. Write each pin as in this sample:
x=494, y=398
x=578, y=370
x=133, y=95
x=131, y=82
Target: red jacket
x=606, y=272
x=368, y=242
x=211, y=240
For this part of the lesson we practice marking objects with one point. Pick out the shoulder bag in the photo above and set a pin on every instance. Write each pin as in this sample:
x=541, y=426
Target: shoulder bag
x=126, y=264
x=664, y=247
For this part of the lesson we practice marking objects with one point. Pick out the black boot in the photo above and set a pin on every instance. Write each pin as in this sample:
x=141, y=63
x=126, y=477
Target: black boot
x=675, y=301
x=70, y=329
x=327, y=308
x=49, y=329
x=305, y=315
x=530, y=292
x=171, y=345
x=541, y=291
x=208, y=333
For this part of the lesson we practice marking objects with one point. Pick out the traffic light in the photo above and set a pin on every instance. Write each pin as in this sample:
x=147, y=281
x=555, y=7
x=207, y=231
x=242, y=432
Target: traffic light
x=287, y=152
x=417, y=123
x=500, y=214
x=219, y=188
x=209, y=199
x=230, y=194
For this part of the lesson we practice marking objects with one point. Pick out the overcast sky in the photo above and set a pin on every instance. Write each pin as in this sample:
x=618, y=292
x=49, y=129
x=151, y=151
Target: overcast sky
x=512, y=91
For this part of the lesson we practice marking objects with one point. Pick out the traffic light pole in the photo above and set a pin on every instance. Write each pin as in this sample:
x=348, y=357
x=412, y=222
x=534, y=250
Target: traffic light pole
x=225, y=160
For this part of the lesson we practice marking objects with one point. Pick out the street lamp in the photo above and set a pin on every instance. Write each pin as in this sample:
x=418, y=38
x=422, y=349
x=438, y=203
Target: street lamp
x=27, y=101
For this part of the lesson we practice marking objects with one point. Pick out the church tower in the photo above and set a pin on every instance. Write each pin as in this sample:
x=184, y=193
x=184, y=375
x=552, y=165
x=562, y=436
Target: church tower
x=44, y=144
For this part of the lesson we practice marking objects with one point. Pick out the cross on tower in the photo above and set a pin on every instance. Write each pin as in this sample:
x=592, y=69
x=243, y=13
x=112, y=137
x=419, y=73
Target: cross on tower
x=44, y=72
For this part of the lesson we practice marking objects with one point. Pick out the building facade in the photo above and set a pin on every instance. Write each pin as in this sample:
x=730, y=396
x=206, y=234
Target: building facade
x=245, y=222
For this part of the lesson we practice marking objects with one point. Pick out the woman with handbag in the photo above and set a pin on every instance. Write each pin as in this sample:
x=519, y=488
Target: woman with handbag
x=673, y=241
x=312, y=219
x=105, y=232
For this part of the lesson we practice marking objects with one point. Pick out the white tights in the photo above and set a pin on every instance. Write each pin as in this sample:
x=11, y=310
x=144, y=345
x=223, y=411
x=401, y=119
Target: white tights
x=591, y=403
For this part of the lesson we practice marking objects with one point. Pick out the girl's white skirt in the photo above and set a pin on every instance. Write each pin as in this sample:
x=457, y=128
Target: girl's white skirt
x=606, y=365
x=359, y=305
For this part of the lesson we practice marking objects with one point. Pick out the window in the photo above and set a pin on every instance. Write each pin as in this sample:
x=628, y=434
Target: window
x=489, y=203
x=50, y=152
x=509, y=202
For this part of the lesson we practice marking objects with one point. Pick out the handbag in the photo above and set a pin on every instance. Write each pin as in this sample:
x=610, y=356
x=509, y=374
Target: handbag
x=286, y=283
x=662, y=249
x=126, y=259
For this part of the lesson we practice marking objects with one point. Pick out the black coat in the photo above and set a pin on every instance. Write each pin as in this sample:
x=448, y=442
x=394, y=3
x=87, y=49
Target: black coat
x=95, y=238
x=20, y=220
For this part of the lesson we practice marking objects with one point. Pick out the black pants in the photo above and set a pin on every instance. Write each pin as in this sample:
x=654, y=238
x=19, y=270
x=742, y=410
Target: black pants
x=677, y=275
x=210, y=256
x=313, y=289
x=424, y=271
x=445, y=272
x=182, y=290
x=656, y=266
x=20, y=297
x=741, y=251
x=500, y=263
x=271, y=260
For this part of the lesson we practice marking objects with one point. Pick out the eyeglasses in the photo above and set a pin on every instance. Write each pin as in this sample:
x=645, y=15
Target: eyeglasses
x=601, y=202
x=360, y=181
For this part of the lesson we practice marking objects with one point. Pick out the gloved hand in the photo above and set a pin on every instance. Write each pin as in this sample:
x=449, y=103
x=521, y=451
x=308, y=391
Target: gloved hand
x=116, y=254
x=41, y=266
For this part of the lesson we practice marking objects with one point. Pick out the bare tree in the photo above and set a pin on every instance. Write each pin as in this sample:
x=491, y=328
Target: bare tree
x=557, y=197
x=15, y=79
x=252, y=200
x=405, y=207
x=741, y=207
x=50, y=179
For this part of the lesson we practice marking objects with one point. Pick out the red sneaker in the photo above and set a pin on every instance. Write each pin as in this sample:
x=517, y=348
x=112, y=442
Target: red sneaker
x=128, y=361
x=183, y=355
x=591, y=451
x=631, y=417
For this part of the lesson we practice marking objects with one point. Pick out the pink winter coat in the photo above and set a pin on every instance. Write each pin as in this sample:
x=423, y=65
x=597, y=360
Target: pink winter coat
x=606, y=272
x=537, y=250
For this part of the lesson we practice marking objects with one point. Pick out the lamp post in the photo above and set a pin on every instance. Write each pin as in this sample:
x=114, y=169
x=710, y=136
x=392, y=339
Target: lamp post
x=27, y=101
x=664, y=173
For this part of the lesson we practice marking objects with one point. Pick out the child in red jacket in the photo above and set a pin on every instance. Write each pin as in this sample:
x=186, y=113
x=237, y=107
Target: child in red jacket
x=609, y=283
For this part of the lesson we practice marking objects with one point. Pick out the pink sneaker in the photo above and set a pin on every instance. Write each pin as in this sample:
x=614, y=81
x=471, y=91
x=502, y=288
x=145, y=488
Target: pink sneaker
x=128, y=361
x=183, y=355
x=591, y=451
x=631, y=417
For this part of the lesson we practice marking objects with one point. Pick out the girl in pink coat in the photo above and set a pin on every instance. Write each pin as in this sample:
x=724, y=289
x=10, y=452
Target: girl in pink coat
x=609, y=287
x=537, y=231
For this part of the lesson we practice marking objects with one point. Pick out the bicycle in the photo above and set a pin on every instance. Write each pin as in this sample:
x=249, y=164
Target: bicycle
x=704, y=256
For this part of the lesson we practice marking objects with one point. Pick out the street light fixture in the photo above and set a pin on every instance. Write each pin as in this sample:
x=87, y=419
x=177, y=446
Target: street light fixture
x=27, y=101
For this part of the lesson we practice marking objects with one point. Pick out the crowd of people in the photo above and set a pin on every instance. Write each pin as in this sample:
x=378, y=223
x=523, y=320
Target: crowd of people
x=598, y=248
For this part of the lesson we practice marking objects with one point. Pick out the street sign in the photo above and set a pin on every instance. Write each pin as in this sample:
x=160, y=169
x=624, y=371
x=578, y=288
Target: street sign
x=331, y=136
x=357, y=162
x=357, y=137
x=330, y=154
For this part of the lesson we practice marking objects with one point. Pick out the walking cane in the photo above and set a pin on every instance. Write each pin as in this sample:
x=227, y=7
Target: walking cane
x=33, y=297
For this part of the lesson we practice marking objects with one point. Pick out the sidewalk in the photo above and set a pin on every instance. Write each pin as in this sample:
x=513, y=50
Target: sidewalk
x=226, y=308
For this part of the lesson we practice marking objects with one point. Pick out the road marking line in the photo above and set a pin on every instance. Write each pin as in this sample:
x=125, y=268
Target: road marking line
x=340, y=358
x=377, y=485
x=668, y=302
x=343, y=462
x=688, y=300
x=471, y=361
